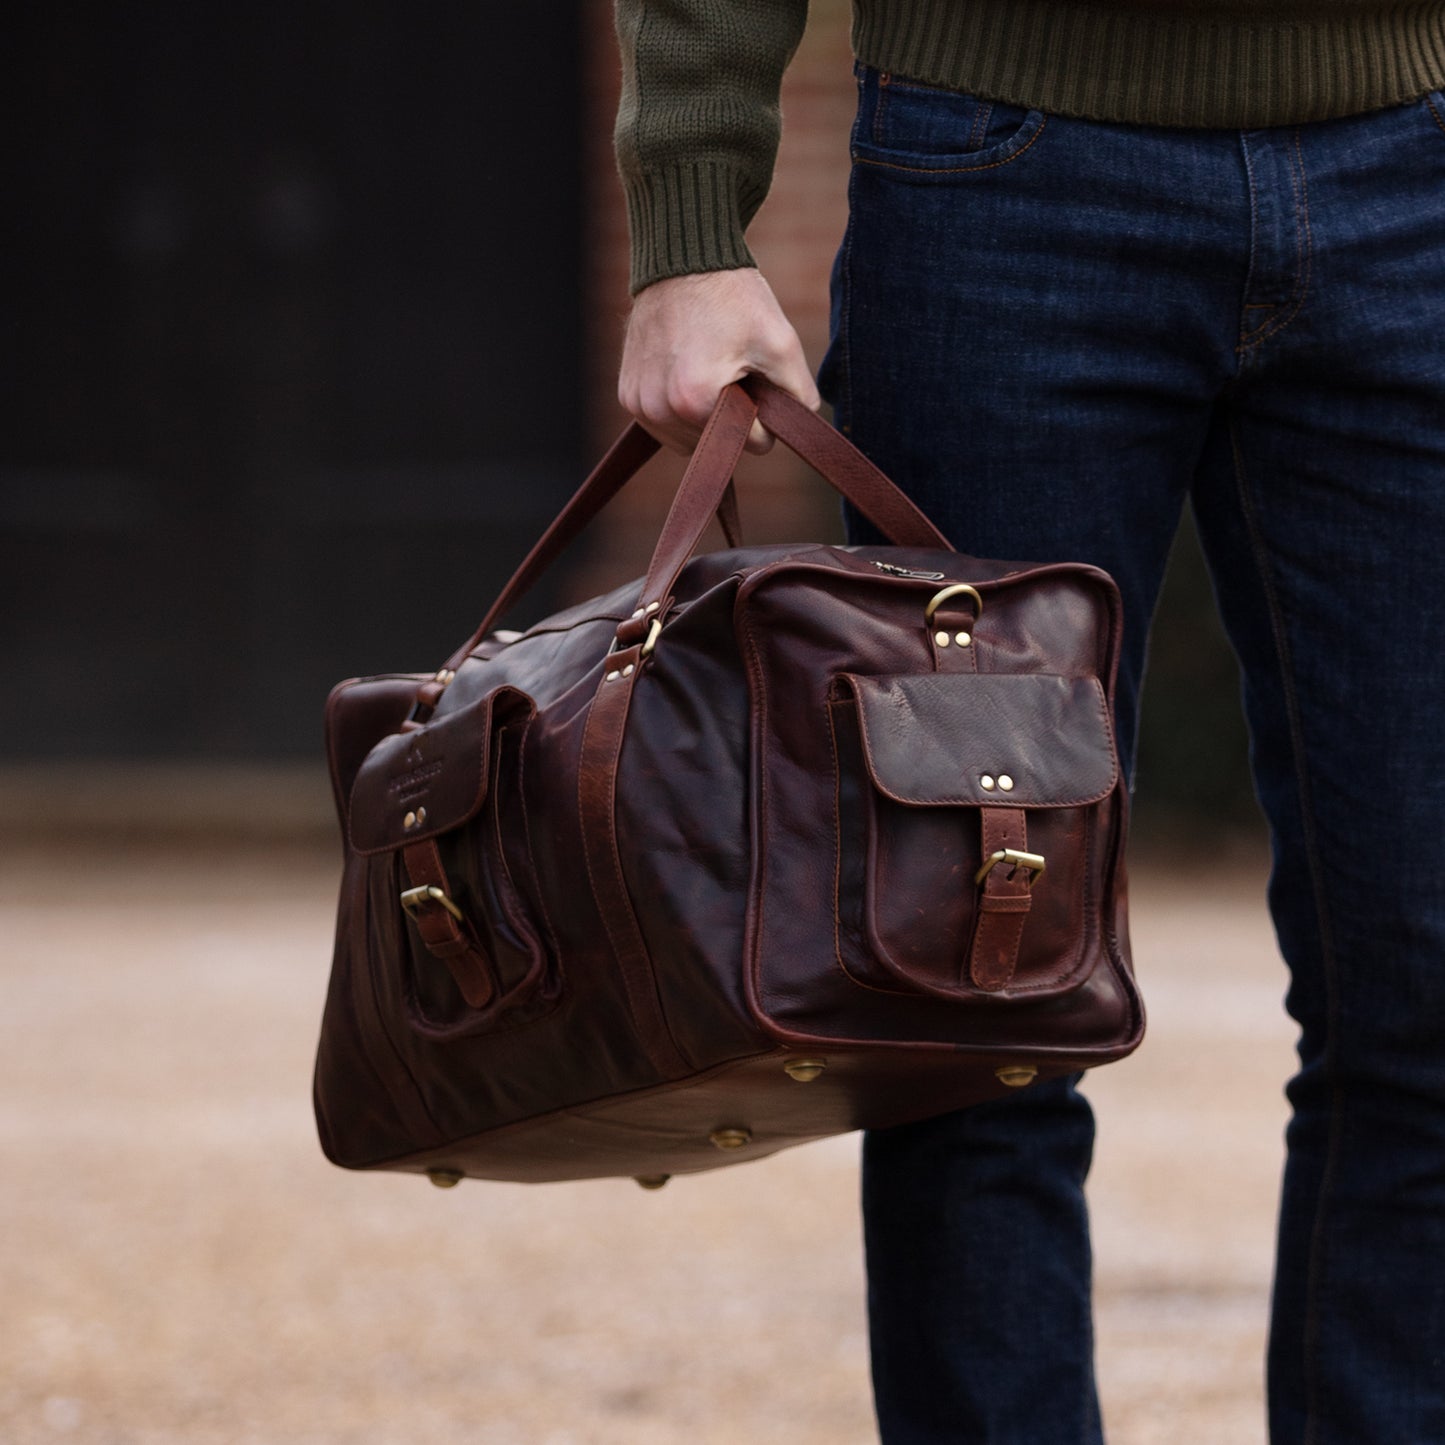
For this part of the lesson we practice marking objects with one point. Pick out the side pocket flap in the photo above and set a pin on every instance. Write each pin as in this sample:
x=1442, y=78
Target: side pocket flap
x=435, y=775
x=1024, y=740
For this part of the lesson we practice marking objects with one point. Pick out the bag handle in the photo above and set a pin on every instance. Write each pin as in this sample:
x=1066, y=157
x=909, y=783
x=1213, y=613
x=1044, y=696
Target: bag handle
x=706, y=488
x=623, y=460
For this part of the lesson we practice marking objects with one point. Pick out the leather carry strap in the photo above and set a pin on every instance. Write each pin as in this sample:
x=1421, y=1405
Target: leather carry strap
x=844, y=467
x=597, y=805
x=626, y=456
x=1003, y=903
x=717, y=454
x=835, y=458
x=445, y=933
x=698, y=494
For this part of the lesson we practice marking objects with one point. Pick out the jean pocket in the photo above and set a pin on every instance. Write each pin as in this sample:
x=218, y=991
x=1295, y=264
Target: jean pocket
x=1435, y=107
x=927, y=130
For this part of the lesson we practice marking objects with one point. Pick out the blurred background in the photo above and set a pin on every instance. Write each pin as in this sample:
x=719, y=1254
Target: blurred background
x=312, y=319
x=313, y=322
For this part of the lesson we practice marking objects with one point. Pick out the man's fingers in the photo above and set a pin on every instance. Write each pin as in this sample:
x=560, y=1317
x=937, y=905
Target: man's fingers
x=782, y=361
x=760, y=439
x=689, y=337
x=652, y=405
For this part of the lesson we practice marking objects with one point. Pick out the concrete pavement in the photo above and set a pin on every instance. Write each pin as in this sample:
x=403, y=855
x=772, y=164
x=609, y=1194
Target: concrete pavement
x=181, y=1267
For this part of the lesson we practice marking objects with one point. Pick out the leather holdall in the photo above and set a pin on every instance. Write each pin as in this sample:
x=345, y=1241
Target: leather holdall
x=776, y=843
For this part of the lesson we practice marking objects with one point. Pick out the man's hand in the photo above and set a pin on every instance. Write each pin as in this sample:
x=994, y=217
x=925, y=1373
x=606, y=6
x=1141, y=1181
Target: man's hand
x=689, y=336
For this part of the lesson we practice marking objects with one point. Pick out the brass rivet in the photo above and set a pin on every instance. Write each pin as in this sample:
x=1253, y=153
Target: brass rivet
x=986, y=783
x=804, y=1070
x=445, y=676
x=652, y=606
x=1006, y=782
x=612, y=677
x=730, y=1138
x=409, y=821
x=962, y=638
x=445, y=1178
x=628, y=670
x=420, y=816
x=941, y=638
x=652, y=1181
x=1016, y=1075
x=640, y=613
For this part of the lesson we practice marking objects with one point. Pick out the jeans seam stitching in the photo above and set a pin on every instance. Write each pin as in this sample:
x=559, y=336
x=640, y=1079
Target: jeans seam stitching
x=1322, y=917
x=1435, y=112
x=1304, y=255
x=1253, y=257
x=953, y=170
x=980, y=125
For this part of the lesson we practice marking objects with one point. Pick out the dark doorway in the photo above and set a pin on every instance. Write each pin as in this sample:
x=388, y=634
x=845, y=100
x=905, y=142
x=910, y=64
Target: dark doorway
x=292, y=355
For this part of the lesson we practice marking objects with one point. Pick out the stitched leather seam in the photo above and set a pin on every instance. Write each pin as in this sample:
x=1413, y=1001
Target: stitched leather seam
x=643, y=1002
x=908, y=986
x=483, y=747
x=970, y=801
x=754, y=926
x=652, y=997
x=665, y=542
x=392, y=862
x=838, y=848
x=548, y=927
x=509, y=895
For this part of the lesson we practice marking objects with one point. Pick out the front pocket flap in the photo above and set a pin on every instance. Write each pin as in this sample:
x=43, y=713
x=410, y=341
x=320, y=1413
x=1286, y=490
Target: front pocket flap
x=434, y=775
x=1025, y=740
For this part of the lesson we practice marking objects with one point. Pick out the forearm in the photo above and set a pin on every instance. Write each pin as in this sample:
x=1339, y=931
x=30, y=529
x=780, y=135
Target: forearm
x=698, y=126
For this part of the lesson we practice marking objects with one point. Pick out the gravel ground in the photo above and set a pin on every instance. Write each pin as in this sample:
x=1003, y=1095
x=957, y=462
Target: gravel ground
x=181, y=1267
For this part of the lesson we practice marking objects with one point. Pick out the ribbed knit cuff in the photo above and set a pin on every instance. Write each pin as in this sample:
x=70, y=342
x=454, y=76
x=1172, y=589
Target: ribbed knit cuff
x=1158, y=67
x=689, y=217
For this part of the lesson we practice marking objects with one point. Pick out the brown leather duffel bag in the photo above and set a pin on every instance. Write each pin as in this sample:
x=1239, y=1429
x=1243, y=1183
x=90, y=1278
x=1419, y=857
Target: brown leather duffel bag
x=778, y=843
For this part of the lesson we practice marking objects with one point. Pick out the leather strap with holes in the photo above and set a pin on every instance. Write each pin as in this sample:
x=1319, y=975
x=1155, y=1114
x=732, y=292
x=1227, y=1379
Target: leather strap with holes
x=1003, y=903
x=445, y=936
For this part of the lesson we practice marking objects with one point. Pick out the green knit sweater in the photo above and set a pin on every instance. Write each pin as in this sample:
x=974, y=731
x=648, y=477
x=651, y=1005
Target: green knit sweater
x=697, y=130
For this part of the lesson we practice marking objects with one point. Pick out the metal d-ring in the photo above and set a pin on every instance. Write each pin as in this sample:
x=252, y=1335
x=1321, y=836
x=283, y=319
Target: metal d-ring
x=958, y=589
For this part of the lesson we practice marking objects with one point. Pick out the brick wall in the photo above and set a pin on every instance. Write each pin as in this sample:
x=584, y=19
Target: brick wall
x=794, y=238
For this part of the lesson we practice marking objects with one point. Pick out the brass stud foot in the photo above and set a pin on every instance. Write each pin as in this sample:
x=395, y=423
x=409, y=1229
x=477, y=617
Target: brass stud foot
x=652, y=1181
x=445, y=1178
x=804, y=1070
x=730, y=1138
x=1016, y=1075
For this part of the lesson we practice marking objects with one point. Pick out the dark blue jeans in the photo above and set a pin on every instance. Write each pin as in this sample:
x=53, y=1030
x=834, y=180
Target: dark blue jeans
x=1052, y=332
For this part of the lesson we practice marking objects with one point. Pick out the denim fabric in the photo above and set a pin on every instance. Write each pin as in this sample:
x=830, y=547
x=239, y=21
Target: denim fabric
x=1052, y=332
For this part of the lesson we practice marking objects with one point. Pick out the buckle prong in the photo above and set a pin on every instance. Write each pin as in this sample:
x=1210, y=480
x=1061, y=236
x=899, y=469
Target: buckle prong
x=1014, y=860
x=414, y=899
x=654, y=631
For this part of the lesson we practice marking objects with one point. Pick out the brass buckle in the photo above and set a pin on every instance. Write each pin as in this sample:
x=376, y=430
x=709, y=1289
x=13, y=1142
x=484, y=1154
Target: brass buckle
x=649, y=643
x=1015, y=860
x=413, y=899
x=958, y=589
